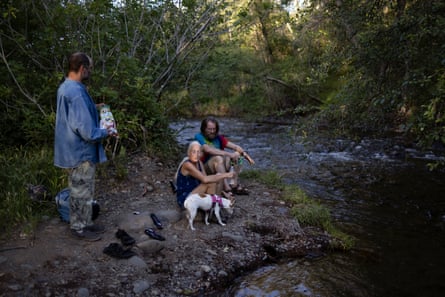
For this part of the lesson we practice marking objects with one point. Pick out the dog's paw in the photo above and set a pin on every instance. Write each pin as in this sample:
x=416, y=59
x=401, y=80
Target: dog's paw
x=222, y=224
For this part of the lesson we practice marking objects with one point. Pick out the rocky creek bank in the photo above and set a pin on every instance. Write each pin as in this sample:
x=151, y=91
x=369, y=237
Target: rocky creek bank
x=49, y=262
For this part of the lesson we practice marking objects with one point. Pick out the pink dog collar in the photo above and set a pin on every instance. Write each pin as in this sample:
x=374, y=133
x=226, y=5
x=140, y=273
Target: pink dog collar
x=217, y=199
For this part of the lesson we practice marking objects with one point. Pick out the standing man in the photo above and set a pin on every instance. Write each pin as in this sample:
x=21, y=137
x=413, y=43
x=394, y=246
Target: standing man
x=216, y=159
x=77, y=145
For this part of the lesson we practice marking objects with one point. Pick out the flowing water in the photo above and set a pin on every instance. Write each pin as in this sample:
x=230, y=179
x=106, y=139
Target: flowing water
x=379, y=191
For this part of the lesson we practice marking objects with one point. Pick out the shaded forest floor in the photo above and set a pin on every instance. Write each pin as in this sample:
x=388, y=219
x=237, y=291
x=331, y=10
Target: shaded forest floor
x=49, y=262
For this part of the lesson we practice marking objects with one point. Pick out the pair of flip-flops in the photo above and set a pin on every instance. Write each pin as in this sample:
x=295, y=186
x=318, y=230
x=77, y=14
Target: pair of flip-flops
x=117, y=251
x=151, y=232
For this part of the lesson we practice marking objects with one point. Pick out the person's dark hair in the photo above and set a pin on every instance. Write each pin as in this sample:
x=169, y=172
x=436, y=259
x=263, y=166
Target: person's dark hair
x=206, y=121
x=76, y=60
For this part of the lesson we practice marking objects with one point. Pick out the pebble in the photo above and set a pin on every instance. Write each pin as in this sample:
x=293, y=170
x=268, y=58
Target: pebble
x=233, y=236
x=212, y=252
x=137, y=262
x=83, y=292
x=140, y=286
x=15, y=287
x=206, y=268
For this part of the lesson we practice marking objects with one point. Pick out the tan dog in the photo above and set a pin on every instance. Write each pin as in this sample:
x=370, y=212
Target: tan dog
x=208, y=203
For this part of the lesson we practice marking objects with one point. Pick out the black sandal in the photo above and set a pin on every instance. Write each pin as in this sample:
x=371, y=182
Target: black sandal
x=238, y=190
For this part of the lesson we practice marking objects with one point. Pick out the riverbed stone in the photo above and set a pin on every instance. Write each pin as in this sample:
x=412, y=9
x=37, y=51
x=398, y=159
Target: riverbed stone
x=137, y=262
x=140, y=286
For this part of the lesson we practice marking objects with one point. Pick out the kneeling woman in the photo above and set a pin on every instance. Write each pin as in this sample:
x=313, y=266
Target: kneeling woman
x=191, y=176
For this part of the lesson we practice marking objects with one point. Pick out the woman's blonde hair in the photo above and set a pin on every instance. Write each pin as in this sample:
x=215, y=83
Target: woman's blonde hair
x=191, y=145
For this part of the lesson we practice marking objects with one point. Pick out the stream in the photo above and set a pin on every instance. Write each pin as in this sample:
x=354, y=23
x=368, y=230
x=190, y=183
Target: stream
x=378, y=190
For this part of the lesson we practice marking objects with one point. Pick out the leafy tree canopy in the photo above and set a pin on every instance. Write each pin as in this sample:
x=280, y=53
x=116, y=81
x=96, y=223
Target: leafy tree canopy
x=365, y=65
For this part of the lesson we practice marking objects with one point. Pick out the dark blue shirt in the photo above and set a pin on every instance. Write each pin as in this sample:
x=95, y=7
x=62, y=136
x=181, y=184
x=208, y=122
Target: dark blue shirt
x=185, y=185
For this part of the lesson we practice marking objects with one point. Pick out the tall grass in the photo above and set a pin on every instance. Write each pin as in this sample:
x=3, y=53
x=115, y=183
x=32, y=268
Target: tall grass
x=24, y=166
x=310, y=212
x=21, y=167
x=306, y=210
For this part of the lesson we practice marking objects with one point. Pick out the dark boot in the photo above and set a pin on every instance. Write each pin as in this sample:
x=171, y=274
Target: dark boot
x=124, y=237
x=115, y=250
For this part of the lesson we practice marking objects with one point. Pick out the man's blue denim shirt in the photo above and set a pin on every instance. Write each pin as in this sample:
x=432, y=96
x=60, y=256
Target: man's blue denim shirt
x=77, y=133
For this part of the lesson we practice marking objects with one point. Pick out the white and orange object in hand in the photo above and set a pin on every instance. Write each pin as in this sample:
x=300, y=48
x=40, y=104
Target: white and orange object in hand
x=107, y=119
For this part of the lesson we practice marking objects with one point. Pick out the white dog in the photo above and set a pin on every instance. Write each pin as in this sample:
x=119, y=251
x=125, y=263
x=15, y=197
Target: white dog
x=208, y=203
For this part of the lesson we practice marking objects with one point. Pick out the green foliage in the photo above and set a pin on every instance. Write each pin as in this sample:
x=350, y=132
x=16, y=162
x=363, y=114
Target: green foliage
x=369, y=66
x=431, y=124
x=270, y=178
x=20, y=168
x=116, y=167
x=138, y=49
x=394, y=64
x=311, y=213
x=306, y=210
x=373, y=66
x=230, y=84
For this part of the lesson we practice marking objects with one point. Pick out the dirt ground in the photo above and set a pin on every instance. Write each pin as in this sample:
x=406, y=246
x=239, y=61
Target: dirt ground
x=204, y=262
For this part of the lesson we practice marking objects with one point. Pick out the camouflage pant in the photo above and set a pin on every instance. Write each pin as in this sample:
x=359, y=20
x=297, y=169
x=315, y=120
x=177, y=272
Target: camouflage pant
x=81, y=182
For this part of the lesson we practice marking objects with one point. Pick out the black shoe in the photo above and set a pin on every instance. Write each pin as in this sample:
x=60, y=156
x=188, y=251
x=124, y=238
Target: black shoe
x=115, y=250
x=98, y=229
x=96, y=210
x=124, y=237
x=85, y=235
x=156, y=221
x=150, y=232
